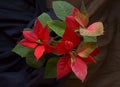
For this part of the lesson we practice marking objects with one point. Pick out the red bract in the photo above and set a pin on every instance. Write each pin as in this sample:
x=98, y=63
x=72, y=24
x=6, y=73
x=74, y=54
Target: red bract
x=79, y=68
x=79, y=17
x=63, y=67
x=69, y=41
x=69, y=61
x=38, y=39
x=72, y=23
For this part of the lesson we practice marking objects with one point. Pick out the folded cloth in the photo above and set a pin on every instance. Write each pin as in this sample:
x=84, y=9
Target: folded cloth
x=14, y=17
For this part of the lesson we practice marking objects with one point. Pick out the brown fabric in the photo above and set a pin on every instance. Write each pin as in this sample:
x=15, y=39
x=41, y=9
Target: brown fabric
x=106, y=73
x=49, y=3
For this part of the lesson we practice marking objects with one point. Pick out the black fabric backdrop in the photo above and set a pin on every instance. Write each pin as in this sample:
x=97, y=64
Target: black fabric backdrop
x=14, y=16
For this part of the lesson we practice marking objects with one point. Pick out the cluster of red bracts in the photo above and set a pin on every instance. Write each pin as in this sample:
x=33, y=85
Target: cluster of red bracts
x=40, y=40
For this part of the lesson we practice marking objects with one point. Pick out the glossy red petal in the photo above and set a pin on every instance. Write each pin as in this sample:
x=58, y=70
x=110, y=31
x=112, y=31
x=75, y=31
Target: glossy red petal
x=37, y=27
x=79, y=17
x=70, y=35
x=89, y=59
x=44, y=34
x=28, y=43
x=61, y=48
x=79, y=68
x=72, y=23
x=39, y=52
x=30, y=36
x=63, y=67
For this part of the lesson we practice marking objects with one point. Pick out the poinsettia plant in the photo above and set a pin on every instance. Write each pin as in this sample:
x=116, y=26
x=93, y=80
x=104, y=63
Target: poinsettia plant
x=68, y=45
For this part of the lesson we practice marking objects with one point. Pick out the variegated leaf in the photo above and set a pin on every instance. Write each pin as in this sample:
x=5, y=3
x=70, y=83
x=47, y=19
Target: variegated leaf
x=95, y=29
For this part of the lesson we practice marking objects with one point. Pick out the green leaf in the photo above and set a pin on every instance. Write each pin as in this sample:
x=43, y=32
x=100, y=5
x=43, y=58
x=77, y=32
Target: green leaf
x=21, y=50
x=51, y=66
x=44, y=18
x=31, y=60
x=83, y=9
x=57, y=26
x=89, y=39
x=62, y=9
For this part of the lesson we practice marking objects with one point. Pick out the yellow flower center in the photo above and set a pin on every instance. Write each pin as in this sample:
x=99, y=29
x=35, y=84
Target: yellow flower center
x=39, y=41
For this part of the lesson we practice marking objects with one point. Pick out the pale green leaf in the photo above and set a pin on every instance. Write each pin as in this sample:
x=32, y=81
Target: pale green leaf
x=57, y=26
x=62, y=9
x=44, y=18
x=89, y=39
